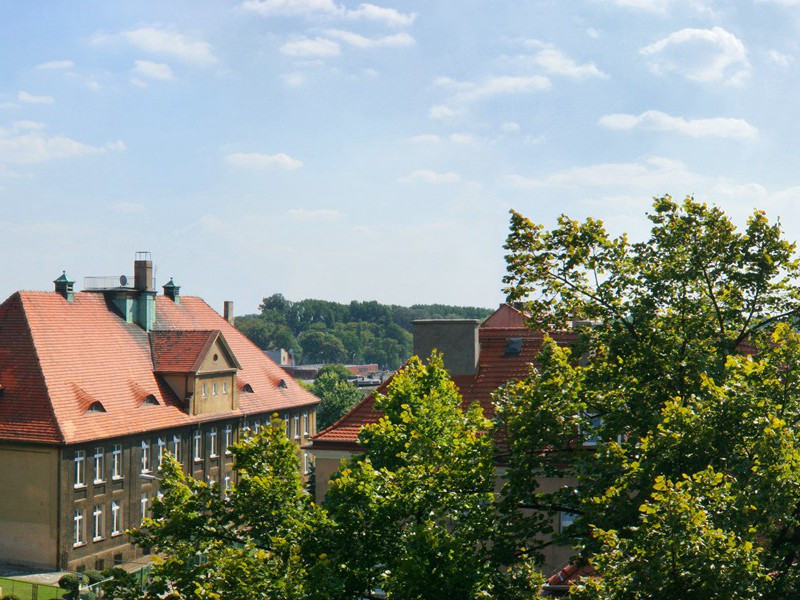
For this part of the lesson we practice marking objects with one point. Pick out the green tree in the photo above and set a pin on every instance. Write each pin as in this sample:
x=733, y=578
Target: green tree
x=662, y=397
x=338, y=396
x=242, y=545
x=415, y=514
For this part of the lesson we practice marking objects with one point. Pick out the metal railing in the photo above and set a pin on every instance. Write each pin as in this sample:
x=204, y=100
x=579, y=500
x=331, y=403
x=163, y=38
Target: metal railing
x=27, y=590
x=106, y=282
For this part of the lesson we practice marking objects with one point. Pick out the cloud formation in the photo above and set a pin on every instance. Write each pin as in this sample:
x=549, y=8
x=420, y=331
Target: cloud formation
x=31, y=99
x=257, y=160
x=152, y=70
x=428, y=176
x=718, y=127
x=26, y=143
x=701, y=55
x=360, y=41
x=166, y=42
x=306, y=47
x=469, y=91
x=555, y=62
x=56, y=64
x=329, y=9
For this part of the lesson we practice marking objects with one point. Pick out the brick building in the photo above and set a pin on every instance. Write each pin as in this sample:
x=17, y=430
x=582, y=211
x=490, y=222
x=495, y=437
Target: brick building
x=95, y=386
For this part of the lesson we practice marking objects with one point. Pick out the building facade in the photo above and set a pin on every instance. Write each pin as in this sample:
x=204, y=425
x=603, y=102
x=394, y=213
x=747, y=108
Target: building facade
x=95, y=388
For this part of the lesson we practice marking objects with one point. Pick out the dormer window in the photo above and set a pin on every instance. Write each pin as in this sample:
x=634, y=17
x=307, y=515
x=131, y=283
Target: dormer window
x=150, y=400
x=96, y=407
x=282, y=384
x=247, y=388
x=513, y=346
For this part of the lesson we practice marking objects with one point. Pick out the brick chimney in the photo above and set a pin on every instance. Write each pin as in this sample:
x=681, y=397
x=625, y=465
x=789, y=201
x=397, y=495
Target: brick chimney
x=456, y=339
x=228, y=311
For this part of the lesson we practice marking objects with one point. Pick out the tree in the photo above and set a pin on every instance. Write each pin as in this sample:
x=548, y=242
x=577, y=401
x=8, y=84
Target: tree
x=241, y=545
x=415, y=514
x=338, y=396
x=677, y=414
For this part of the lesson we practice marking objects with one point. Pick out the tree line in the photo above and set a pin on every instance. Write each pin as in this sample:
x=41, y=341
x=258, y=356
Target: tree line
x=670, y=434
x=321, y=331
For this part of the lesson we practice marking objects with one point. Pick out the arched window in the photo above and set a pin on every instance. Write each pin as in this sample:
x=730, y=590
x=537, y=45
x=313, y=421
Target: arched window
x=150, y=400
x=247, y=388
x=96, y=407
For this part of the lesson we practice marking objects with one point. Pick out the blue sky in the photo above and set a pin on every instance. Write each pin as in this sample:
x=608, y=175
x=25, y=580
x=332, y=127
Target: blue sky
x=347, y=150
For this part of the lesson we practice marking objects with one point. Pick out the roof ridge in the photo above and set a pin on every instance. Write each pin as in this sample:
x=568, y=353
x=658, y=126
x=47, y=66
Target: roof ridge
x=49, y=403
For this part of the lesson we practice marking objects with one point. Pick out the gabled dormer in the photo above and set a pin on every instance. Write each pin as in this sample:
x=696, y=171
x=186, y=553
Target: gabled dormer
x=199, y=366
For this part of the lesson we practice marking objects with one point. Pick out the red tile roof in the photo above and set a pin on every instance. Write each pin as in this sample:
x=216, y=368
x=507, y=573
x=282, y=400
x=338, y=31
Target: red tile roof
x=58, y=357
x=180, y=351
x=495, y=367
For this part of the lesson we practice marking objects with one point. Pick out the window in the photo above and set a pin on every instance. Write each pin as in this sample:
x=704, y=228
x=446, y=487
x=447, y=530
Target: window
x=595, y=423
x=116, y=518
x=305, y=422
x=80, y=536
x=80, y=468
x=224, y=387
x=176, y=447
x=214, y=389
x=99, y=465
x=162, y=445
x=116, y=462
x=228, y=438
x=205, y=390
x=288, y=427
x=97, y=523
x=227, y=481
x=143, y=505
x=198, y=445
x=257, y=426
x=212, y=442
x=306, y=463
x=145, y=457
x=296, y=426
x=566, y=519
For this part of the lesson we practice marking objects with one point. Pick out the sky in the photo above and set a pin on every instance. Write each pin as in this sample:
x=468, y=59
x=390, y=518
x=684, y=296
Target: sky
x=343, y=150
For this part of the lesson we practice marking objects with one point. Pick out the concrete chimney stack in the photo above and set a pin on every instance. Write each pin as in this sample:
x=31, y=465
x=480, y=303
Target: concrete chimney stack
x=456, y=339
x=143, y=272
x=228, y=312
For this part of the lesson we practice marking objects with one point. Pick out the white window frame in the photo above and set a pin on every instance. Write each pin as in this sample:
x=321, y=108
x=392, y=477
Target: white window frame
x=197, y=449
x=143, y=505
x=176, y=447
x=205, y=390
x=146, y=466
x=296, y=420
x=99, y=465
x=116, y=462
x=212, y=442
x=305, y=423
x=228, y=438
x=224, y=387
x=214, y=389
x=162, y=446
x=80, y=468
x=80, y=534
x=257, y=426
x=227, y=481
x=306, y=463
x=288, y=426
x=565, y=519
x=116, y=518
x=97, y=523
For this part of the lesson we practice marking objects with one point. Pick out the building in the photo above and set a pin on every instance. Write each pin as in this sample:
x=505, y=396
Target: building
x=95, y=387
x=480, y=358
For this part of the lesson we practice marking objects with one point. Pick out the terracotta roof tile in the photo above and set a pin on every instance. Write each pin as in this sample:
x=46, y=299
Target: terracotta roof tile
x=58, y=357
x=180, y=351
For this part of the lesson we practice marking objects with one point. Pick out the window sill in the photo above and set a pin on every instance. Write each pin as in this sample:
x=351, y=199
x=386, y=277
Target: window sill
x=117, y=478
x=79, y=545
x=213, y=456
x=116, y=533
x=79, y=486
x=99, y=481
x=98, y=539
x=198, y=460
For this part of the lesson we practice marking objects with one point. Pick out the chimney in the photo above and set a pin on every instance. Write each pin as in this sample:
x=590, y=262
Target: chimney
x=172, y=291
x=228, y=311
x=64, y=287
x=143, y=272
x=456, y=339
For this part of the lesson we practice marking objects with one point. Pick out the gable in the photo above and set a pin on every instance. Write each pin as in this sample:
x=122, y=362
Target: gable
x=218, y=357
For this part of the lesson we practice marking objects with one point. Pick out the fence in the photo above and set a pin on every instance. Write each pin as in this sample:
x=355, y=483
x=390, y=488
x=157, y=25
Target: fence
x=26, y=590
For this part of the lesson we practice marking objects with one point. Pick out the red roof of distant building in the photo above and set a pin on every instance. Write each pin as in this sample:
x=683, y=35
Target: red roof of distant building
x=495, y=368
x=57, y=358
x=558, y=585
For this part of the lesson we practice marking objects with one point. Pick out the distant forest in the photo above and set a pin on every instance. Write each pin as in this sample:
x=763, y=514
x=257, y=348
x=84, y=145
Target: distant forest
x=318, y=331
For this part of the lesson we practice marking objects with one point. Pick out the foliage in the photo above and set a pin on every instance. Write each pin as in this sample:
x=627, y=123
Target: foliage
x=337, y=394
x=120, y=585
x=415, y=515
x=358, y=332
x=677, y=417
x=243, y=545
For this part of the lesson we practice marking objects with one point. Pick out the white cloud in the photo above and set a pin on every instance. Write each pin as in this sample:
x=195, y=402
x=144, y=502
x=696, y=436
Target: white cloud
x=319, y=214
x=152, y=70
x=360, y=41
x=463, y=138
x=329, y=9
x=659, y=6
x=442, y=112
x=257, y=160
x=702, y=55
x=780, y=59
x=128, y=208
x=311, y=47
x=555, y=62
x=428, y=176
x=468, y=91
x=31, y=99
x=56, y=64
x=165, y=42
x=510, y=127
x=294, y=79
x=719, y=127
x=26, y=143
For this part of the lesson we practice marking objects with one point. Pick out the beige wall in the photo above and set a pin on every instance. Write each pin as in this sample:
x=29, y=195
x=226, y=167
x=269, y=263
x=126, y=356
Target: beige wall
x=28, y=505
x=326, y=463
